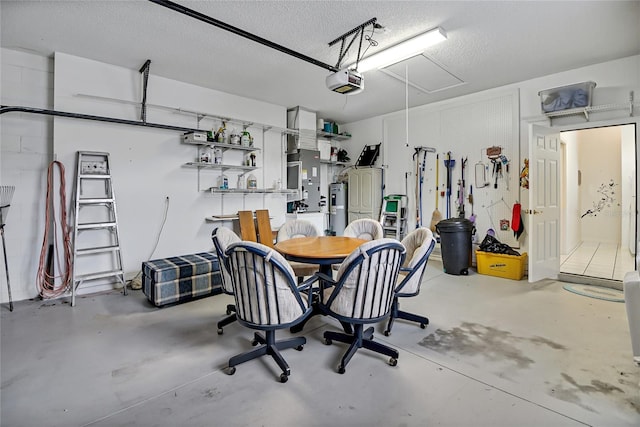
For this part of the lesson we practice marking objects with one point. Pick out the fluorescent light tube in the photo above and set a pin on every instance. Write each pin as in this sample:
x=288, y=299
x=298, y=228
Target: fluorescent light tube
x=406, y=49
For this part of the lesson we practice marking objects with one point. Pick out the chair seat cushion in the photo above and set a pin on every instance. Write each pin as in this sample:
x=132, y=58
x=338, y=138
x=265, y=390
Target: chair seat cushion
x=181, y=278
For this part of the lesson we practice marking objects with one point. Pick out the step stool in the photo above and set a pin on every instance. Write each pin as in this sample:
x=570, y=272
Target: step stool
x=182, y=278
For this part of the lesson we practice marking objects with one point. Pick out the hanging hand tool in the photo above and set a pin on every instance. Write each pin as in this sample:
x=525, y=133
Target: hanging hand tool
x=436, y=217
x=472, y=218
x=463, y=163
x=449, y=164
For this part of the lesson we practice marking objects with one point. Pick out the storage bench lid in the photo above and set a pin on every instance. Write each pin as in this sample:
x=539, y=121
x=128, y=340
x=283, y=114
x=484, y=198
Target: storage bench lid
x=172, y=268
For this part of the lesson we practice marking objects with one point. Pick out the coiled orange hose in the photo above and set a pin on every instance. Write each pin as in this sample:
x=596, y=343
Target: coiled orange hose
x=45, y=282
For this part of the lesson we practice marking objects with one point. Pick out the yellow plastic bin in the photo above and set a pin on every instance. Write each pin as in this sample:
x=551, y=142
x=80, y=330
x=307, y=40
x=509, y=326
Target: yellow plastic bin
x=500, y=265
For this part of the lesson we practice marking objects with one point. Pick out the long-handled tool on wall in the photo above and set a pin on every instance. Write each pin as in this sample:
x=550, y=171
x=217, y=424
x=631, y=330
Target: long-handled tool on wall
x=472, y=218
x=6, y=194
x=436, y=217
x=420, y=166
x=461, y=188
x=449, y=163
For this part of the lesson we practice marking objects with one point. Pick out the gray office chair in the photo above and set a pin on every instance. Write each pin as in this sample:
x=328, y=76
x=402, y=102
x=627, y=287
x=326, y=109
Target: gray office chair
x=362, y=294
x=223, y=237
x=419, y=245
x=267, y=299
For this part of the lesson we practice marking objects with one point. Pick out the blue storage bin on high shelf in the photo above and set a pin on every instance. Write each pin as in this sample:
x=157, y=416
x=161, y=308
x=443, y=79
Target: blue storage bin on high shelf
x=578, y=95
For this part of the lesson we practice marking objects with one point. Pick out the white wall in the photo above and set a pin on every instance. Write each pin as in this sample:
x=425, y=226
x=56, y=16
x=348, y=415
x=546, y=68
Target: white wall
x=570, y=221
x=27, y=149
x=599, y=161
x=614, y=81
x=27, y=80
x=628, y=186
x=147, y=163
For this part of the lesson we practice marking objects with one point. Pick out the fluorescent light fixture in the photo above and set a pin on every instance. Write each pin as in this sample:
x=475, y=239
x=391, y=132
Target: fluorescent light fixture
x=403, y=50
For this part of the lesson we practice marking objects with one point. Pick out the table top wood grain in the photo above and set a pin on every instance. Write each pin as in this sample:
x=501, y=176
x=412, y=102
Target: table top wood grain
x=319, y=249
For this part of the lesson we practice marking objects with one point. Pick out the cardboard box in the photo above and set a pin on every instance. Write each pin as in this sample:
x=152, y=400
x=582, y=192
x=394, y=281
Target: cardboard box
x=195, y=138
x=500, y=265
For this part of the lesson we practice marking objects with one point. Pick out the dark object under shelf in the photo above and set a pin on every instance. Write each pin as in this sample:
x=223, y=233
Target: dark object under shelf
x=369, y=155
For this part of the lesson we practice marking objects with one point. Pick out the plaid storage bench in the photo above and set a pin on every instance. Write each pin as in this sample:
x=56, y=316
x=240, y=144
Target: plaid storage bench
x=181, y=278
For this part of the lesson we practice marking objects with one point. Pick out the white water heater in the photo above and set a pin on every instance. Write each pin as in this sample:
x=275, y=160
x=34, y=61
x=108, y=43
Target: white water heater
x=337, y=207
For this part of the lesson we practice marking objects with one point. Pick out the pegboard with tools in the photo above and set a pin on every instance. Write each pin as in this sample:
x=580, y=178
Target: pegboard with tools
x=497, y=192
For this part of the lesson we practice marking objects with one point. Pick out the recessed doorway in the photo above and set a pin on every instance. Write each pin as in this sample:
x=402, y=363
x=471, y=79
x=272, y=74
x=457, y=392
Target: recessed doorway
x=598, y=220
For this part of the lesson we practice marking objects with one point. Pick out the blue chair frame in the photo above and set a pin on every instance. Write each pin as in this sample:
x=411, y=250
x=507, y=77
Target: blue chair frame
x=258, y=305
x=396, y=313
x=373, y=288
x=223, y=261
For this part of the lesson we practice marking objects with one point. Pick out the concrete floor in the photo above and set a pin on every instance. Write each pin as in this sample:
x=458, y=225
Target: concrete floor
x=496, y=353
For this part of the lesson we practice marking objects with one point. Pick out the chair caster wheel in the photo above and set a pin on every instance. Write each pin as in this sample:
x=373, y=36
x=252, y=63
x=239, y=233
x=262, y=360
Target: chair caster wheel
x=393, y=361
x=422, y=326
x=254, y=342
x=327, y=341
x=299, y=348
x=220, y=331
x=231, y=370
x=284, y=377
x=341, y=369
x=229, y=312
x=387, y=333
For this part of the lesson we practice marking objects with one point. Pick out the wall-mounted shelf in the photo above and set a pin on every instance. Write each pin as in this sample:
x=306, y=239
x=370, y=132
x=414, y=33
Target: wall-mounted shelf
x=593, y=109
x=329, y=135
x=248, y=190
x=329, y=162
x=223, y=146
x=203, y=165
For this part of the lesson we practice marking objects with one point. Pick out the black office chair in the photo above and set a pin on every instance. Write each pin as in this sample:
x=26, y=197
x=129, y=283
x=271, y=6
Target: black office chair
x=419, y=245
x=223, y=237
x=362, y=293
x=267, y=299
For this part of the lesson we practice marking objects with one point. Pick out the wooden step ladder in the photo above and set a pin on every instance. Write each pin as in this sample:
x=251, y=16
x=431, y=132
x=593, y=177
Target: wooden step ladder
x=393, y=216
x=97, y=254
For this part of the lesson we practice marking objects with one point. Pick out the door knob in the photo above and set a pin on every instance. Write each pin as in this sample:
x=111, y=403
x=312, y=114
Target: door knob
x=534, y=212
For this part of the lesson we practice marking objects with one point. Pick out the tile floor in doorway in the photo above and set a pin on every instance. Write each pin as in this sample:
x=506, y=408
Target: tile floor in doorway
x=496, y=353
x=596, y=259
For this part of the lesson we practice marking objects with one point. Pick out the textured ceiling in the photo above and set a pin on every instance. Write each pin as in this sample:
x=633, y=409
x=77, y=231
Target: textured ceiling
x=489, y=44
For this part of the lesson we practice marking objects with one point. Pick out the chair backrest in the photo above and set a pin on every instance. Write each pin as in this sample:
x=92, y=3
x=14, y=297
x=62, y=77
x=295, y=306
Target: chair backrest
x=364, y=228
x=366, y=281
x=296, y=228
x=264, y=287
x=419, y=244
x=247, y=226
x=223, y=237
x=263, y=223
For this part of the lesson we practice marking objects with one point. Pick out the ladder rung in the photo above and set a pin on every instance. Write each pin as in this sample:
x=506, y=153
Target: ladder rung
x=95, y=201
x=96, y=225
x=94, y=176
x=99, y=275
x=97, y=250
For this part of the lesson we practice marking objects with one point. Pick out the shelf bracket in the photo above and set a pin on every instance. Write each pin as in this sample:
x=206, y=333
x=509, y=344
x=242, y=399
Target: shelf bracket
x=145, y=80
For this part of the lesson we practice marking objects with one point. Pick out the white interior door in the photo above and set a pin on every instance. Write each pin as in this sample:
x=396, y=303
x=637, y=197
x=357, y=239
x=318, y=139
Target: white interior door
x=544, y=203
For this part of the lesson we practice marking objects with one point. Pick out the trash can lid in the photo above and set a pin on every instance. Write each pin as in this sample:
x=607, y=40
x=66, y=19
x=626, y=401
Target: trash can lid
x=454, y=224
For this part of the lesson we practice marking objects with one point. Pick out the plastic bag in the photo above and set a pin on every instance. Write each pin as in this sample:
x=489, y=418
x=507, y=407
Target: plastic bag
x=493, y=245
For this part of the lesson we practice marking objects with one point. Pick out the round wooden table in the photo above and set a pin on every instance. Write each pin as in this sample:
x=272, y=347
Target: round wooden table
x=321, y=250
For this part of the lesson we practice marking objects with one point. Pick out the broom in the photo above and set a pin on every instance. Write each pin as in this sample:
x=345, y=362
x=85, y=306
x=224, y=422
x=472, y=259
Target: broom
x=436, y=217
x=6, y=194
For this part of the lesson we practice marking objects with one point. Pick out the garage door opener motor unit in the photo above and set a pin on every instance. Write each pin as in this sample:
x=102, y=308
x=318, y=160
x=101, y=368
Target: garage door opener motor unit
x=345, y=81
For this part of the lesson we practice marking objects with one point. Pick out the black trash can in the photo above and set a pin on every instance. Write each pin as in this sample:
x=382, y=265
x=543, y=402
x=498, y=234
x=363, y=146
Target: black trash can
x=455, y=245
